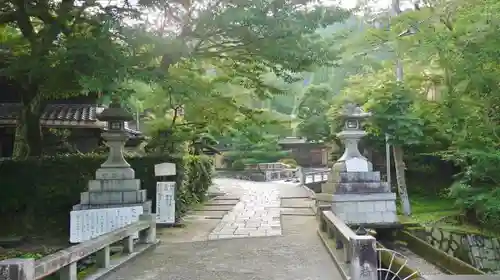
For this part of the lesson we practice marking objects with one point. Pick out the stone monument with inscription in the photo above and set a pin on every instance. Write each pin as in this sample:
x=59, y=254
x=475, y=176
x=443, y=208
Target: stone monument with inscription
x=357, y=194
x=114, y=198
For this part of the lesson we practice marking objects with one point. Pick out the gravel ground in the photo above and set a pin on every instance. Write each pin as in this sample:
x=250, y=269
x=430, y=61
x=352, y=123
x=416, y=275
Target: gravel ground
x=297, y=255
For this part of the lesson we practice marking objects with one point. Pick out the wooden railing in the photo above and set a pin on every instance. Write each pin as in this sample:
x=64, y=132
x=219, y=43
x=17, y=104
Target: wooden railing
x=64, y=262
x=355, y=255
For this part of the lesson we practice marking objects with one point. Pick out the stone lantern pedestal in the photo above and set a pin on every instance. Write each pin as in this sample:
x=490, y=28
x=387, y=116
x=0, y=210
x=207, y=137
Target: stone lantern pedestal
x=115, y=184
x=355, y=191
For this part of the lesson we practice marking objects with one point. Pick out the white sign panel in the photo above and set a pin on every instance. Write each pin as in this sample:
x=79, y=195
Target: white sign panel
x=165, y=169
x=91, y=223
x=165, y=202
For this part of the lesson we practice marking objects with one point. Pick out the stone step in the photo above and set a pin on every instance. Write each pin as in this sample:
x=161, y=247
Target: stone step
x=296, y=203
x=216, y=202
x=297, y=212
x=215, y=208
x=224, y=197
x=206, y=215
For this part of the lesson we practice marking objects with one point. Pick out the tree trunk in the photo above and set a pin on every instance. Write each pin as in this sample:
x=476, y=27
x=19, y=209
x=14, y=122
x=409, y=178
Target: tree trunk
x=401, y=179
x=28, y=137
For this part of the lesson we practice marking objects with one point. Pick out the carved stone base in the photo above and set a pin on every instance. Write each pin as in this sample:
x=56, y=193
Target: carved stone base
x=354, y=209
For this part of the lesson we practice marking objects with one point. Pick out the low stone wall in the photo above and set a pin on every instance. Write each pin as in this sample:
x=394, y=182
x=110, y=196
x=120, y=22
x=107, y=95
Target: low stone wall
x=482, y=252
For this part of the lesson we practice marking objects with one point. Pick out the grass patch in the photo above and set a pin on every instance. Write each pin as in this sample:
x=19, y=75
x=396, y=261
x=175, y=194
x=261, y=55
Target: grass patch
x=433, y=210
x=428, y=209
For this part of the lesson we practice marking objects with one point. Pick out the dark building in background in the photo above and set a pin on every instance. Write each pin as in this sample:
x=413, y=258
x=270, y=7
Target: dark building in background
x=307, y=154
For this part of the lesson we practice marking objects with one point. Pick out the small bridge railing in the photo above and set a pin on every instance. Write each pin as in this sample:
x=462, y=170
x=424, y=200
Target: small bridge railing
x=314, y=176
x=280, y=174
x=355, y=255
x=64, y=262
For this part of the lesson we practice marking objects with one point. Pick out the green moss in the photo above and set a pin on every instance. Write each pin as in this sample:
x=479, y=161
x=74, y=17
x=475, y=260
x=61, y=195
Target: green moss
x=467, y=229
x=436, y=256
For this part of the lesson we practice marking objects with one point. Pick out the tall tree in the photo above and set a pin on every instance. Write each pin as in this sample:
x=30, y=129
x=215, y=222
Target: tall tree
x=243, y=39
x=56, y=46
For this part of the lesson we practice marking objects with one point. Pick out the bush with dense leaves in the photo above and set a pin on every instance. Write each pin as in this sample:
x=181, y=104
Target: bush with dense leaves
x=38, y=194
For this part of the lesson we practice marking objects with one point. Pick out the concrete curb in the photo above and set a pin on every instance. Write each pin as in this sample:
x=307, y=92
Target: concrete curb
x=312, y=196
x=121, y=261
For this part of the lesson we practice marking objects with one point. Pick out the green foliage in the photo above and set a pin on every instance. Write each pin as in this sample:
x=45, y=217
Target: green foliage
x=54, y=185
x=392, y=107
x=312, y=112
x=254, y=141
x=447, y=103
x=480, y=204
x=92, y=46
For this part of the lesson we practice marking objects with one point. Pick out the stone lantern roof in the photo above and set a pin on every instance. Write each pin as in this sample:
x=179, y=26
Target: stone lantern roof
x=115, y=113
x=352, y=111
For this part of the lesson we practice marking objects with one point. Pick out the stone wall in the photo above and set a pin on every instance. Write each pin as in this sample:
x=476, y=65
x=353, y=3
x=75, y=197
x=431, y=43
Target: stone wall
x=482, y=252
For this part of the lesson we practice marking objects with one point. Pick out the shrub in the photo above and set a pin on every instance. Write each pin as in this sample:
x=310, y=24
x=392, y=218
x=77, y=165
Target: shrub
x=481, y=205
x=38, y=194
x=238, y=165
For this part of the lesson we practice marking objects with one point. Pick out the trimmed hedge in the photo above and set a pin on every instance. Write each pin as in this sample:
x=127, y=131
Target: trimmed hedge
x=38, y=194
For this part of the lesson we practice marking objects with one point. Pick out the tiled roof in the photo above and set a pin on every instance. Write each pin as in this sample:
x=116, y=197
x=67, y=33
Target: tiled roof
x=76, y=115
x=56, y=114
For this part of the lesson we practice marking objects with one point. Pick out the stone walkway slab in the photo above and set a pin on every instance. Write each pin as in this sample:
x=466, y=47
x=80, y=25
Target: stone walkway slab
x=256, y=214
x=294, y=253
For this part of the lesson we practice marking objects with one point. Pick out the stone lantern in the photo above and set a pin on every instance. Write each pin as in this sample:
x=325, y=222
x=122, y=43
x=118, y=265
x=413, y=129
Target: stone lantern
x=115, y=136
x=115, y=184
x=355, y=191
x=352, y=160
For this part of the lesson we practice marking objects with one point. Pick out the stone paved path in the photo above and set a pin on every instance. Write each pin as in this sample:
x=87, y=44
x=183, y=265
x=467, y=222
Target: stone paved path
x=256, y=214
x=295, y=253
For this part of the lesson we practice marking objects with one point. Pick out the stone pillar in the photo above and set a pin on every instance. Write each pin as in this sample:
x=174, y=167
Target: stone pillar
x=17, y=269
x=363, y=262
x=115, y=184
x=356, y=193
